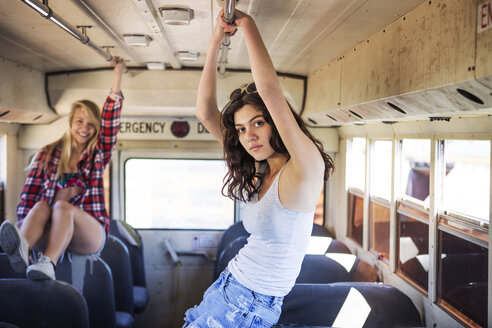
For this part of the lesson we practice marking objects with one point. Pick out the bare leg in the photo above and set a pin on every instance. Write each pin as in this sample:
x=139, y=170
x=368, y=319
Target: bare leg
x=34, y=224
x=72, y=228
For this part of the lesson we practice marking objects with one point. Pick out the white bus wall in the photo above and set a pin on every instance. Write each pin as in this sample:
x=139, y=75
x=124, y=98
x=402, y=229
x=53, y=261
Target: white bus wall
x=23, y=94
x=416, y=63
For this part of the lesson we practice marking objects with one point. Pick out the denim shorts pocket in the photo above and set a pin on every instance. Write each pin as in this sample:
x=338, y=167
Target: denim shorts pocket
x=268, y=309
x=237, y=296
x=269, y=303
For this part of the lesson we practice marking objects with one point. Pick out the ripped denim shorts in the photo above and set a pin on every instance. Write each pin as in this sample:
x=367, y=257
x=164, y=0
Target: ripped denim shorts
x=228, y=304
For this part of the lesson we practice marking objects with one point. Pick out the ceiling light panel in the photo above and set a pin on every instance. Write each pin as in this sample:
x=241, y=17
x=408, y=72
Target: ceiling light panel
x=188, y=55
x=137, y=40
x=176, y=15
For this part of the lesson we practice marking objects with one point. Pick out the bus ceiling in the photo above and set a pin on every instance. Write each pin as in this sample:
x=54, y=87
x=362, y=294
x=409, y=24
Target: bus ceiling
x=361, y=61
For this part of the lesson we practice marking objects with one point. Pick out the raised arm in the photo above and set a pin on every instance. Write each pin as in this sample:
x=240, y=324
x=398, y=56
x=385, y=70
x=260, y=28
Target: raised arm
x=306, y=159
x=119, y=66
x=206, y=102
x=110, y=115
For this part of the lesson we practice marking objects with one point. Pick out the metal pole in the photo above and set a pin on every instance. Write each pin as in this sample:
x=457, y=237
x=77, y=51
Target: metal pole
x=47, y=13
x=229, y=7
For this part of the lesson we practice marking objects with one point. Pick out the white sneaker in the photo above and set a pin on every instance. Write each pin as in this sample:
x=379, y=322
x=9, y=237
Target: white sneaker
x=43, y=269
x=15, y=246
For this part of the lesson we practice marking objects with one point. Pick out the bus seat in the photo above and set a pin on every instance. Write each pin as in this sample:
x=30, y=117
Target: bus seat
x=234, y=231
x=237, y=230
x=6, y=270
x=319, y=269
x=133, y=241
x=134, y=244
x=228, y=254
x=336, y=246
x=48, y=303
x=320, y=231
x=320, y=245
x=92, y=276
x=335, y=267
x=349, y=304
x=116, y=256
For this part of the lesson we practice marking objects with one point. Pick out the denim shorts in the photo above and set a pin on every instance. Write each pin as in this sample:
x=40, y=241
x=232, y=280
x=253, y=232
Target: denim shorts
x=227, y=303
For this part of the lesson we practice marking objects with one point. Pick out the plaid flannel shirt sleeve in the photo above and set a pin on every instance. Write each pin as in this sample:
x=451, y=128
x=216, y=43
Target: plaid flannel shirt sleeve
x=33, y=186
x=110, y=124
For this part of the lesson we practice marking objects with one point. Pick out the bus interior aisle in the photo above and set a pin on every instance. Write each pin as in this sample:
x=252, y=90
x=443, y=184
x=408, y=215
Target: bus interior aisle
x=399, y=93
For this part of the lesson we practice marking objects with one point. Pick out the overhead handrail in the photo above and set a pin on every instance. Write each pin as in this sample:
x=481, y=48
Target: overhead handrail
x=48, y=13
x=229, y=7
x=83, y=4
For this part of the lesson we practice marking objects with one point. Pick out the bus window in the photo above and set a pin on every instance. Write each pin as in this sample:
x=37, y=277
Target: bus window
x=356, y=166
x=380, y=191
x=463, y=278
x=176, y=194
x=415, y=169
x=356, y=163
x=412, y=212
x=463, y=230
x=381, y=169
x=356, y=216
x=319, y=212
x=467, y=184
x=413, y=244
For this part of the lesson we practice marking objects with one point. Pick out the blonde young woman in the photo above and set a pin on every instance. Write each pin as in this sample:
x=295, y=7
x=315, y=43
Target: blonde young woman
x=63, y=197
x=263, y=139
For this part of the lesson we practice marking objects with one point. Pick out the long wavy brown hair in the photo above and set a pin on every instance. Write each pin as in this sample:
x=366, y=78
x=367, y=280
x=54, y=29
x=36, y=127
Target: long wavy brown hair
x=239, y=182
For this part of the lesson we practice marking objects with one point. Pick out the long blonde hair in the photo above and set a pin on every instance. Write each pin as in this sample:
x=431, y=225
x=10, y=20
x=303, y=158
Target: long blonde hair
x=67, y=140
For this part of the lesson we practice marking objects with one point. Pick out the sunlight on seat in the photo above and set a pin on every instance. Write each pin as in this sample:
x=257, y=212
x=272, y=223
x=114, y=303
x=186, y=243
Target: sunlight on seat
x=354, y=311
x=345, y=260
x=318, y=245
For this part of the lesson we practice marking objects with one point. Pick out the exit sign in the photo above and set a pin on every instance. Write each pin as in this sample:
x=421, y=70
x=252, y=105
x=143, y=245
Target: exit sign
x=484, y=18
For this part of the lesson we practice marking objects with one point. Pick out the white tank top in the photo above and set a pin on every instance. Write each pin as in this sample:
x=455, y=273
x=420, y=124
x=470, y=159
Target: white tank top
x=271, y=260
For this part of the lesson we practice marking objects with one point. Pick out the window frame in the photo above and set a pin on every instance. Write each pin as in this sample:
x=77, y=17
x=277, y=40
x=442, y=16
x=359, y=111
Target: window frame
x=434, y=209
x=467, y=219
x=424, y=212
x=356, y=193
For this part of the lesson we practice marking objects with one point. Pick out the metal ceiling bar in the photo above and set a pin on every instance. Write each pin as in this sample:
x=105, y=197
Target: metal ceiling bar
x=154, y=23
x=229, y=7
x=47, y=13
x=83, y=4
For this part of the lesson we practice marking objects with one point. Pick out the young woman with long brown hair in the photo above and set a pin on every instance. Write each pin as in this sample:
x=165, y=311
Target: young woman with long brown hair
x=277, y=168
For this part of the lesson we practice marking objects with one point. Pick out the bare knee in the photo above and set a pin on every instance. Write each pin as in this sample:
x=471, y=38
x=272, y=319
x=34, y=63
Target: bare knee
x=62, y=205
x=41, y=211
x=62, y=210
x=41, y=206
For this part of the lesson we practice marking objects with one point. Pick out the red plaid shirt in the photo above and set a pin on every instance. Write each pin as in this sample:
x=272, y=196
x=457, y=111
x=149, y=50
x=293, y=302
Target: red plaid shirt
x=40, y=183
